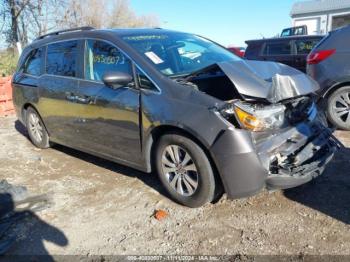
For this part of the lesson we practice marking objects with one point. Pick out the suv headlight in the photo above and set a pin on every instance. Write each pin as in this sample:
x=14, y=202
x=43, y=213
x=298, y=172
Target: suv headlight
x=258, y=117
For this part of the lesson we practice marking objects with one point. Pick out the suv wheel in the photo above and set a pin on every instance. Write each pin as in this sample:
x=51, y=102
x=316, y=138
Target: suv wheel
x=185, y=170
x=338, y=108
x=36, y=129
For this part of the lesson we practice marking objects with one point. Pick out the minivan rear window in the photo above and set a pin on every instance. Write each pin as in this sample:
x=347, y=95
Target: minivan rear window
x=32, y=64
x=62, y=58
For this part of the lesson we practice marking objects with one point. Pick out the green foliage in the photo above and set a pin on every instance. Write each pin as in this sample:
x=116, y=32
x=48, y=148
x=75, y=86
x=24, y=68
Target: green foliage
x=8, y=62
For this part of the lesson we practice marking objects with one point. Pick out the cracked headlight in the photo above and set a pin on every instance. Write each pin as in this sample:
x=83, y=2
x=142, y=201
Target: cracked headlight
x=258, y=117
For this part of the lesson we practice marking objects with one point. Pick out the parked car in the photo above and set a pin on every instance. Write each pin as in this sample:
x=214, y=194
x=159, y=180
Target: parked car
x=329, y=65
x=174, y=103
x=296, y=30
x=239, y=51
x=290, y=51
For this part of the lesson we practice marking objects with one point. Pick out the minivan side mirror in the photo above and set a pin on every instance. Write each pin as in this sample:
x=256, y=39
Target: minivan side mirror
x=117, y=79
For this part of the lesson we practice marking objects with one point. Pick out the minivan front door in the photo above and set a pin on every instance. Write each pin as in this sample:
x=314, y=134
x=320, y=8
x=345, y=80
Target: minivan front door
x=108, y=121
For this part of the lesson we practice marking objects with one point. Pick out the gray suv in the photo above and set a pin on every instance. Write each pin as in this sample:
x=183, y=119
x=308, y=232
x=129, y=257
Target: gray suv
x=177, y=104
x=329, y=65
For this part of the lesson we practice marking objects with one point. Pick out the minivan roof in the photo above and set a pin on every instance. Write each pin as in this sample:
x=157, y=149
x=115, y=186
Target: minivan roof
x=286, y=38
x=86, y=31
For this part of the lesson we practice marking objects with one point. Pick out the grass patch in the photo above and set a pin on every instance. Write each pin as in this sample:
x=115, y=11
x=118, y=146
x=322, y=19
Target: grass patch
x=8, y=62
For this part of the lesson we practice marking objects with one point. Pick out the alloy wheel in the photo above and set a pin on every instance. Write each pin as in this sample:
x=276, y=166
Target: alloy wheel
x=35, y=127
x=341, y=107
x=180, y=170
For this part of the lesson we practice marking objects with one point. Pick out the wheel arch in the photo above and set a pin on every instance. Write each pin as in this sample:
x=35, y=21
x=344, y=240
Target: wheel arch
x=151, y=145
x=24, y=114
x=334, y=88
x=157, y=132
x=24, y=111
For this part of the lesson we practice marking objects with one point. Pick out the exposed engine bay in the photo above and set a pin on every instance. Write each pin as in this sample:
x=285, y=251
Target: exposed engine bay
x=289, y=134
x=275, y=105
x=251, y=80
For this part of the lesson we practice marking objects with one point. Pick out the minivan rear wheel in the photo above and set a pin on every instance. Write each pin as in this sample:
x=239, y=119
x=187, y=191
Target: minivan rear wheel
x=36, y=129
x=185, y=170
x=338, y=108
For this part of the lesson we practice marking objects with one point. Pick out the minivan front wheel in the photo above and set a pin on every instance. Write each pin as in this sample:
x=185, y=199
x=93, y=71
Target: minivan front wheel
x=36, y=129
x=338, y=108
x=185, y=170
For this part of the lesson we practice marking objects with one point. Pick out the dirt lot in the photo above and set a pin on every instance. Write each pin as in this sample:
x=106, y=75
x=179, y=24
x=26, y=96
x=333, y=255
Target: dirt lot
x=104, y=208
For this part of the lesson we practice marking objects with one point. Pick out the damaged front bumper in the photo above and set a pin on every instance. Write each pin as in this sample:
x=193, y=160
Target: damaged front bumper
x=300, y=157
x=249, y=161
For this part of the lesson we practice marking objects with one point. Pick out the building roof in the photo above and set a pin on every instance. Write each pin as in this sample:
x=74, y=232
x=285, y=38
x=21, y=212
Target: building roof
x=315, y=6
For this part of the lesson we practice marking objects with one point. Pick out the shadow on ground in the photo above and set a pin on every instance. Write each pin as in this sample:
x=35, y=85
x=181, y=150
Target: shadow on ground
x=329, y=193
x=23, y=233
x=150, y=180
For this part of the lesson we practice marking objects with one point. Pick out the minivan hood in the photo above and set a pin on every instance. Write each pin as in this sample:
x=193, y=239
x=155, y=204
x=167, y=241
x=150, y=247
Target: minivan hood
x=269, y=80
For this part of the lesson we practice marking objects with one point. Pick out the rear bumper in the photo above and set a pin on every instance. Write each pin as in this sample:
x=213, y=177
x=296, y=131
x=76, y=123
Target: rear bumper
x=248, y=162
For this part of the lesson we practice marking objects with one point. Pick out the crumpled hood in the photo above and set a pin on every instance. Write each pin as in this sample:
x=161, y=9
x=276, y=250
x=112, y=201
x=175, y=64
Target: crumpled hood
x=268, y=80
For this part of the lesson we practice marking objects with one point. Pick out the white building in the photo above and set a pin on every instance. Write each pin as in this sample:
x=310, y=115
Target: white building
x=321, y=16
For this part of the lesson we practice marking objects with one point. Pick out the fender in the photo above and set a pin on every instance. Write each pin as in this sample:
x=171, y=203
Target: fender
x=157, y=130
x=344, y=81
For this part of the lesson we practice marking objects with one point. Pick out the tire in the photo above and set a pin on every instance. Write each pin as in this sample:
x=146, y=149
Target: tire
x=36, y=129
x=193, y=166
x=338, y=108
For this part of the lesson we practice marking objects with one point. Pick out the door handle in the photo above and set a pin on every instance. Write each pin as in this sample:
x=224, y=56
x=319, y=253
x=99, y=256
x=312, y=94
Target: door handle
x=71, y=97
x=78, y=99
x=83, y=99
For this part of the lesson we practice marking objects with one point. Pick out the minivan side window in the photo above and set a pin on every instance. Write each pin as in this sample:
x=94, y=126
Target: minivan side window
x=62, y=58
x=102, y=57
x=305, y=46
x=281, y=48
x=32, y=64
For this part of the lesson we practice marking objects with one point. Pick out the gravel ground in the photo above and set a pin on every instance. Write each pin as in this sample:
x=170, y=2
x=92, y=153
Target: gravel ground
x=101, y=208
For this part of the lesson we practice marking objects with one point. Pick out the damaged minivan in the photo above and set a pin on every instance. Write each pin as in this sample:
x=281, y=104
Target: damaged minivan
x=177, y=104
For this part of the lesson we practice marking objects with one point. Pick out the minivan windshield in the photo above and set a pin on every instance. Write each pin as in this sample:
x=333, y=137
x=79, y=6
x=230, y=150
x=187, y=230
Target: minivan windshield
x=179, y=54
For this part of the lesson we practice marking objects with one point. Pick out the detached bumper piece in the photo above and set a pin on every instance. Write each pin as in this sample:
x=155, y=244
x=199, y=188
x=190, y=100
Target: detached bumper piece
x=305, y=163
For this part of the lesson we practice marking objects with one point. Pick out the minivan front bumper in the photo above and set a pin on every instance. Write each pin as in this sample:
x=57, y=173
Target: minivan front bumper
x=248, y=162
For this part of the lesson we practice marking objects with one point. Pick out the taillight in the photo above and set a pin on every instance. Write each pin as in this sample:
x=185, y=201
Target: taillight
x=318, y=56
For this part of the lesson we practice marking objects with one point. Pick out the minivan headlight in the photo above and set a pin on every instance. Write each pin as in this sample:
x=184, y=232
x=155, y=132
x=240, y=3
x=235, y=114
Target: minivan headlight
x=258, y=117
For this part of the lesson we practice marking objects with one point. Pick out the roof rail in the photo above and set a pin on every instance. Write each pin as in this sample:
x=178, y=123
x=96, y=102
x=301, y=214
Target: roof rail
x=83, y=28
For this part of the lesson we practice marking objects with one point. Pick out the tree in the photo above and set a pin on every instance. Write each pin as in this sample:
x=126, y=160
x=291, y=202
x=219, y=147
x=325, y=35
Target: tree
x=96, y=13
x=123, y=16
x=26, y=19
